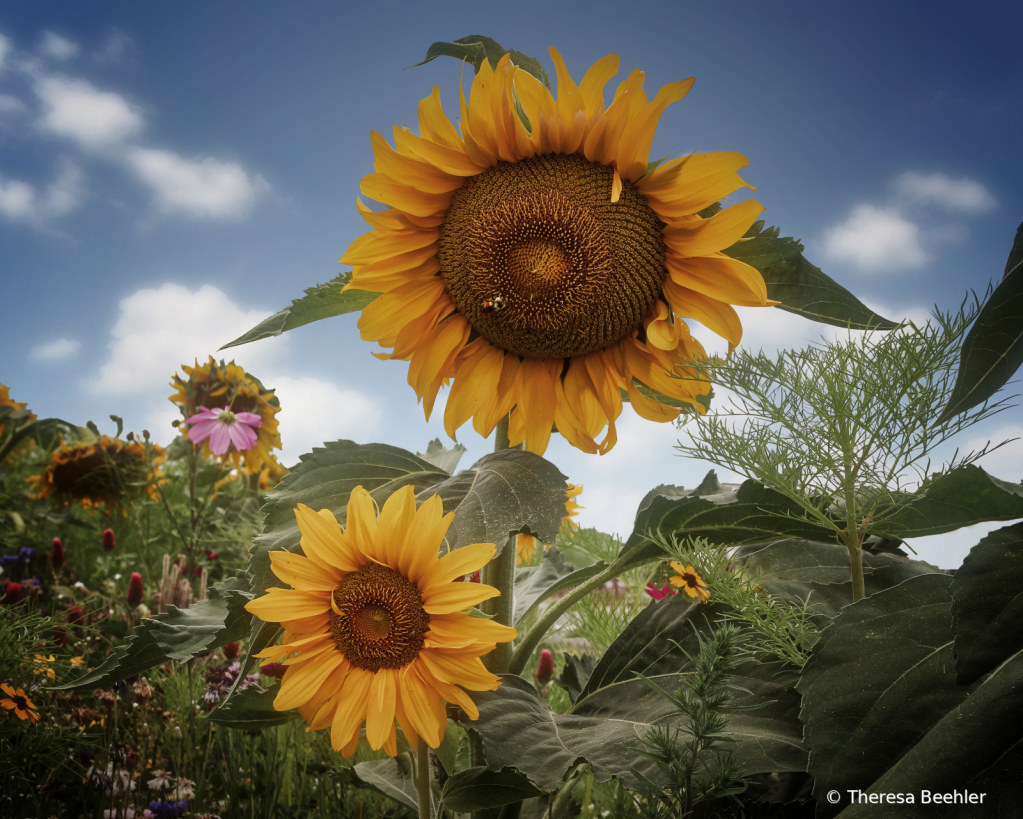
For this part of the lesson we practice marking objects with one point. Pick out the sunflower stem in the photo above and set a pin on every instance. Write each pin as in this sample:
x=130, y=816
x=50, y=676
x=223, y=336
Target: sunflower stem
x=423, y=781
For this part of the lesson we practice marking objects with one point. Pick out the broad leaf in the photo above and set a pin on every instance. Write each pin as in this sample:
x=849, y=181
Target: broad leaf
x=801, y=287
x=882, y=668
x=320, y=302
x=987, y=604
x=476, y=48
x=576, y=673
x=252, y=710
x=394, y=778
x=993, y=349
x=178, y=634
x=616, y=709
x=480, y=788
x=441, y=457
x=534, y=584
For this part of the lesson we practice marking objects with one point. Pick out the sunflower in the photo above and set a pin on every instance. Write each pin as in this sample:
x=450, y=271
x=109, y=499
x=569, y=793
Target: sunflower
x=689, y=579
x=542, y=265
x=376, y=621
x=526, y=544
x=227, y=386
x=97, y=474
x=18, y=701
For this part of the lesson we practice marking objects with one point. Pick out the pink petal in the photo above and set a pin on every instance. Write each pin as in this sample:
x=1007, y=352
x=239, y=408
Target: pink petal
x=249, y=418
x=202, y=430
x=204, y=415
x=220, y=440
x=242, y=437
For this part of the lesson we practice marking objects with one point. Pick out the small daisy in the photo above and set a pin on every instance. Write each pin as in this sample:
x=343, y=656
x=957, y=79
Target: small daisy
x=688, y=579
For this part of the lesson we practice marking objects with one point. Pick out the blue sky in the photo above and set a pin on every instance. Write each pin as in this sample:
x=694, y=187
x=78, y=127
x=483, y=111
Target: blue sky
x=171, y=174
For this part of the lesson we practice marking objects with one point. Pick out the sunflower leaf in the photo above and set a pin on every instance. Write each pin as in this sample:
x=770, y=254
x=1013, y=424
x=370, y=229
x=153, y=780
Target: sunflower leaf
x=993, y=349
x=480, y=788
x=885, y=668
x=177, y=634
x=801, y=287
x=500, y=495
x=987, y=604
x=476, y=48
x=392, y=777
x=442, y=457
x=320, y=302
x=534, y=584
x=252, y=710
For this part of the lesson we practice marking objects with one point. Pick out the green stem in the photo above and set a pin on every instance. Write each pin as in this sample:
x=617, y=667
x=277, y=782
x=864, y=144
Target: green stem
x=525, y=649
x=856, y=566
x=423, y=781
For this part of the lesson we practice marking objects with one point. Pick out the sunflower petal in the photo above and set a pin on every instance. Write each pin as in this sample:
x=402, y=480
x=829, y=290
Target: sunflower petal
x=302, y=573
x=301, y=682
x=380, y=707
x=351, y=708
x=454, y=564
x=280, y=604
x=453, y=597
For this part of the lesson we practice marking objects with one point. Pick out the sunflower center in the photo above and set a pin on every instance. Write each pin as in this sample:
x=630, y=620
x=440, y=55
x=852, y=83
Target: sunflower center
x=381, y=622
x=541, y=262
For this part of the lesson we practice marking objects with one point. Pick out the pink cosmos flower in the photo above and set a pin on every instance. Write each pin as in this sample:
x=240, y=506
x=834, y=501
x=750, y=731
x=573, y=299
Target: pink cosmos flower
x=224, y=428
x=658, y=593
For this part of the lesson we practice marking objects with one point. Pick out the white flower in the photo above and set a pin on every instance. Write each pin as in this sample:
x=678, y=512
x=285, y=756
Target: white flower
x=123, y=781
x=184, y=789
x=160, y=780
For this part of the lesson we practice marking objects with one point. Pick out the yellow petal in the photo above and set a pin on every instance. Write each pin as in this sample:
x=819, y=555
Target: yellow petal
x=592, y=86
x=476, y=380
x=423, y=705
x=424, y=538
x=720, y=277
x=301, y=682
x=459, y=626
x=302, y=573
x=452, y=161
x=453, y=597
x=717, y=316
x=385, y=244
x=351, y=707
x=457, y=563
x=419, y=175
x=468, y=673
x=387, y=191
x=380, y=707
x=361, y=522
x=396, y=516
x=278, y=605
x=701, y=237
x=434, y=124
x=323, y=541
x=537, y=400
x=638, y=135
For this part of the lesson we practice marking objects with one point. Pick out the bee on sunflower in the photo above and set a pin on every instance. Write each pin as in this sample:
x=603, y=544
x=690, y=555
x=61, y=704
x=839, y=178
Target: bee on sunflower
x=542, y=265
x=97, y=474
x=225, y=393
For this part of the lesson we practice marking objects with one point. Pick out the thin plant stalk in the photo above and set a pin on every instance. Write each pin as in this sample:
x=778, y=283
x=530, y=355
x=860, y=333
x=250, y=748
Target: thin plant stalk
x=423, y=781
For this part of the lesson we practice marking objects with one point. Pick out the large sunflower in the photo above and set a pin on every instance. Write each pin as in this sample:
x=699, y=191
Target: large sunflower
x=227, y=386
x=103, y=473
x=546, y=268
x=377, y=622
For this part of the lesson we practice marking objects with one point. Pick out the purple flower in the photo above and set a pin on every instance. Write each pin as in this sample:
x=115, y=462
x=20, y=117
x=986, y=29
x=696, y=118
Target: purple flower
x=27, y=553
x=224, y=428
x=168, y=810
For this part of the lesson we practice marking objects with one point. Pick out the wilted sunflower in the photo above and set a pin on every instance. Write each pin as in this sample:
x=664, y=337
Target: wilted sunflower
x=227, y=386
x=689, y=580
x=526, y=544
x=548, y=267
x=377, y=622
x=101, y=473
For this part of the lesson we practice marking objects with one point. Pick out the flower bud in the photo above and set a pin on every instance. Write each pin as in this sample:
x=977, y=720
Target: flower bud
x=145, y=434
x=12, y=593
x=74, y=615
x=57, y=557
x=545, y=668
x=108, y=540
x=231, y=651
x=275, y=670
x=135, y=590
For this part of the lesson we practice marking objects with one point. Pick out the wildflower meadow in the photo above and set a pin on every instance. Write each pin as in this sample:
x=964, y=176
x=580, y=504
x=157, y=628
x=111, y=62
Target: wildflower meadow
x=196, y=628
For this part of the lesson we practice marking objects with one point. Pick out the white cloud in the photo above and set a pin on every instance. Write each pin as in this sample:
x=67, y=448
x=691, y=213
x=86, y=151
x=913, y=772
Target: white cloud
x=58, y=350
x=964, y=194
x=11, y=105
x=18, y=200
x=5, y=49
x=1005, y=462
x=314, y=411
x=114, y=48
x=876, y=240
x=57, y=47
x=159, y=330
x=77, y=110
x=199, y=188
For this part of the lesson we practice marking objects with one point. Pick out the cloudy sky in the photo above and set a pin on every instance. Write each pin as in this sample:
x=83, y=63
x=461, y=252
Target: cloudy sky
x=172, y=174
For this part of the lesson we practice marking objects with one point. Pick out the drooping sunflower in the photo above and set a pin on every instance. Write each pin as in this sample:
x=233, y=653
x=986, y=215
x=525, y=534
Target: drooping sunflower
x=227, y=386
x=525, y=545
x=545, y=268
x=377, y=622
x=103, y=473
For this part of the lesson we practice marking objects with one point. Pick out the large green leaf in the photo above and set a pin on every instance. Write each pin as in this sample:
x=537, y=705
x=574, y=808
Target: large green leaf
x=178, y=634
x=962, y=497
x=252, y=710
x=534, y=584
x=394, y=778
x=801, y=287
x=993, y=349
x=441, y=457
x=987, y=604
x=616, y=709
x=480, y=788
x=476, y=48
x=320, y=302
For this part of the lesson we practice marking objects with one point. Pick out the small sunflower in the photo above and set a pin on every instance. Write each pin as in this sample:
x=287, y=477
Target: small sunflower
x=689, y=579
x=546, y=268
x=220, y=386
x=526, y=544
x=377, y=625
x=18, y=701
x=98, y=474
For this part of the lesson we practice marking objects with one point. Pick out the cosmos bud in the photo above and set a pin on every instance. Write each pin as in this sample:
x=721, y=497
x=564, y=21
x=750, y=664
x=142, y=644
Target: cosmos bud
x=135, y=590
x=108, y=540
x=231, y=650
x=57, y=557
x=545, y=668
